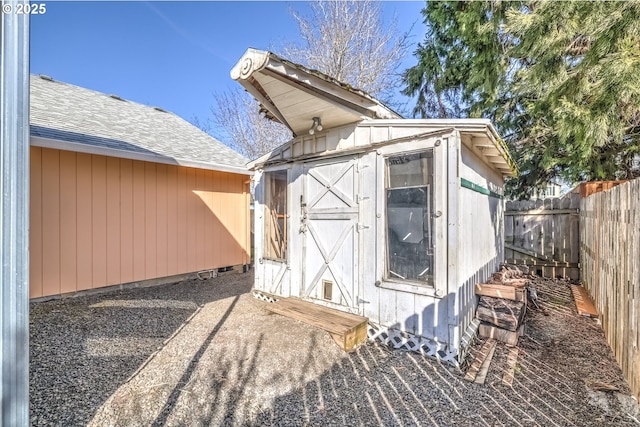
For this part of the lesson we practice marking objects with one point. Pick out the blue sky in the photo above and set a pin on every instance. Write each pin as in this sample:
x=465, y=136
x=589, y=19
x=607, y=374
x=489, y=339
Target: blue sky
x=169, y=54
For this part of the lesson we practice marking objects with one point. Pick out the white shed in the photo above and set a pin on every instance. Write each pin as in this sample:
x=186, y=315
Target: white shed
x=366, y=212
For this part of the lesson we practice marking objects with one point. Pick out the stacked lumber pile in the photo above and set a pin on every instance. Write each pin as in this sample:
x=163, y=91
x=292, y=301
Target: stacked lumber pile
x=502, y=305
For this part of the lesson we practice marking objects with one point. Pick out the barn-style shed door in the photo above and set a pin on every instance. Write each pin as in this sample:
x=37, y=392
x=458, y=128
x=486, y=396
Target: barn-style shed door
x=330, y=232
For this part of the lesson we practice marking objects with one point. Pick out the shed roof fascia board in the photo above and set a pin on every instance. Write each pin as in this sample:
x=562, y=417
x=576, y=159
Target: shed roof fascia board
x=500, y=145
x=37, y=141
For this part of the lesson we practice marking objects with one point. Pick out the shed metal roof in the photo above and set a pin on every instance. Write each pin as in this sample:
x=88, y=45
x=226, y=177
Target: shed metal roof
x=69, y=117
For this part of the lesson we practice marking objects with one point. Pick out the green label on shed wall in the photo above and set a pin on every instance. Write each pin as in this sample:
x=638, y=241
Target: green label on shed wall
x=465, y=183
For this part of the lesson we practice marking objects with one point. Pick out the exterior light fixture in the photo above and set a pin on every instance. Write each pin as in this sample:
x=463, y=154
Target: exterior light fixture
x=315, y=126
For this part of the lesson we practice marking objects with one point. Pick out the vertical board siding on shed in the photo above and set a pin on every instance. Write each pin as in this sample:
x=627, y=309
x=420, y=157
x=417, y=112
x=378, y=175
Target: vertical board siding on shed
x=98, y=221
x=480, y=247
x=480, y=233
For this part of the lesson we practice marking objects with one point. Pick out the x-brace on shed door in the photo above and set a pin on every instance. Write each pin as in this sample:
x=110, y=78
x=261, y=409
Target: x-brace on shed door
x=329, y=211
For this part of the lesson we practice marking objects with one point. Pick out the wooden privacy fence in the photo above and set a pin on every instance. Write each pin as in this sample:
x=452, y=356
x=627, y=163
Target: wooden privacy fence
x=544, y=234
x=610, y=267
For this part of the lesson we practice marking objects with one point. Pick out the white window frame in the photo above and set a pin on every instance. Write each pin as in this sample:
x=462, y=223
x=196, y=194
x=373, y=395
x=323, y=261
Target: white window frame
x=390, y=275
x=438, y=145
x=265, y=184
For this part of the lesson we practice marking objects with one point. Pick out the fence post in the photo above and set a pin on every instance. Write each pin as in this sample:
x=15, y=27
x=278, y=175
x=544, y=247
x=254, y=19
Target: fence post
x=14, y=215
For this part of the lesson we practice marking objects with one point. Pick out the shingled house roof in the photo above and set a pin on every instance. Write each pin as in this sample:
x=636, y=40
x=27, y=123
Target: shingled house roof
x=69, y=117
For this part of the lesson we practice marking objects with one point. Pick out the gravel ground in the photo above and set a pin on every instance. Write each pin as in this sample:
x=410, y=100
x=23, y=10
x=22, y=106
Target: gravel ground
x=207, y=353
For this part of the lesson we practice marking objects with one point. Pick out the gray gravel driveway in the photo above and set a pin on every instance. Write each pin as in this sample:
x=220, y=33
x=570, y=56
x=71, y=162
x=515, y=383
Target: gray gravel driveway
x=200, y=353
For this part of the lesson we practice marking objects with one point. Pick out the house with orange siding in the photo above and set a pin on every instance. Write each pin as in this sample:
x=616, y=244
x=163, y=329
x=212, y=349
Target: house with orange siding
x=124, y=193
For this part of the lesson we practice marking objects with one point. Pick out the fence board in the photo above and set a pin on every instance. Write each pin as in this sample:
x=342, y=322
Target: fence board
x=545, y=235
x=610, y=269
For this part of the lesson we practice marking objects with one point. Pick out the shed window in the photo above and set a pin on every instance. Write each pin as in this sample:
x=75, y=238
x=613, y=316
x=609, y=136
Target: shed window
x=275, y=215
x=409, y=197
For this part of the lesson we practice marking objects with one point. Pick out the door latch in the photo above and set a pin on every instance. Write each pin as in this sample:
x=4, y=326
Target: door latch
x=362, y=227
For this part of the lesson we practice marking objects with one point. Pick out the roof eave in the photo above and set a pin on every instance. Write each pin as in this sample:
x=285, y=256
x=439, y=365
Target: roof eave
x=256, y=66
x=38, y=141
x=507, y=168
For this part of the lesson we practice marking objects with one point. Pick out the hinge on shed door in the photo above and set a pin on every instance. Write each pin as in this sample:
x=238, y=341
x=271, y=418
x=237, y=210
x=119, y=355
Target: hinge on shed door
x=361, y=227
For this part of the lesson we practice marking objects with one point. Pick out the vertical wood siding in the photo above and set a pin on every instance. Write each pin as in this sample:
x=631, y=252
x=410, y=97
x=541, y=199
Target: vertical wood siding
x=98, y=221
x=35, y=223
x=609, y=267
x=480, y=239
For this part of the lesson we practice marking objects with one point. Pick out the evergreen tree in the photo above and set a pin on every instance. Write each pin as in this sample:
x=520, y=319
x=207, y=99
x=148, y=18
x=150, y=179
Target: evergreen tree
x=561, y=80
x=462, y=61
x=580, y=86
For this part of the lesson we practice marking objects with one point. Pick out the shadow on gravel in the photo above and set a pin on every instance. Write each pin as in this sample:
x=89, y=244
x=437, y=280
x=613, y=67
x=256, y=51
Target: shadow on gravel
x=186, y=377
x=235, y=363
x=377, y=387
x=234, y=399
x=82, y=349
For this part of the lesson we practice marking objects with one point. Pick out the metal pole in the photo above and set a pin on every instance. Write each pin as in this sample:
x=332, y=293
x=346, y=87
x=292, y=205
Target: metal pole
x=14, y=215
